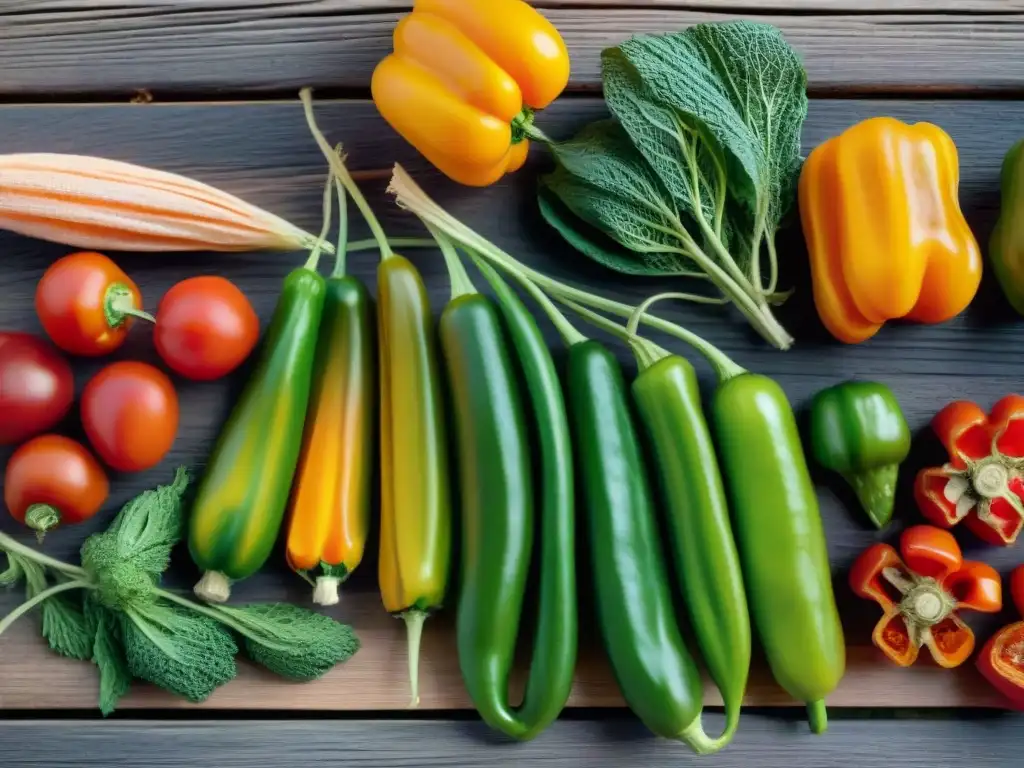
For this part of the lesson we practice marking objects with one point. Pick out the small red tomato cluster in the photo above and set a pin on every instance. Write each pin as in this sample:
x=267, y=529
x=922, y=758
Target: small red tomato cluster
x=204, y=328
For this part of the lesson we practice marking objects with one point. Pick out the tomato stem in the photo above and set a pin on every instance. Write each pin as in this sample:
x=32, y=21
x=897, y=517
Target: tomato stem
x=119, y=305
x=42, y=518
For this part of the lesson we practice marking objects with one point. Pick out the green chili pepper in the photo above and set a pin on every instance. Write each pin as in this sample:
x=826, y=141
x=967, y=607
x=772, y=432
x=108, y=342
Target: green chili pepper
x=707, y=563
x=1006, y=244
x=497, y=504
x=858, y=430
x=655, y=671
x=242, y=497
x=781, y=539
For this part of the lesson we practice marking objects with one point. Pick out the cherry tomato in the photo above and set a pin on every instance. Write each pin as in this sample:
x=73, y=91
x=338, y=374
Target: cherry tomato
x=53, y=480
x=205, y=328
x=130, y=413
x=36, y=386
x=86, y=303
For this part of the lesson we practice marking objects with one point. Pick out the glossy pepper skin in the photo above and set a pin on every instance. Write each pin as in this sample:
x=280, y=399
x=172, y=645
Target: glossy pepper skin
x=488, y=618
x=1001, y=661
x=885, y=234
x=858, y=430
x=921, y=593
x=243, y=494
x=654, y=669
x=416, y=519
x=1006, y=244
x=668, y=403
x=982, y=484
x=781, y=539
x=330, y=502
x=463, y=81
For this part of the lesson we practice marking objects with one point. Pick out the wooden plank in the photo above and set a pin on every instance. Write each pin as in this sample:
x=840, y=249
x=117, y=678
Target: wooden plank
x=189, y=47
x=320, y=6
x=767, y=742
x=263, y=152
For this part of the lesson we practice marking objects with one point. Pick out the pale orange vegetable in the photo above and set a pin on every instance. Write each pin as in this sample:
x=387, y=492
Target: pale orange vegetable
x=99, y=204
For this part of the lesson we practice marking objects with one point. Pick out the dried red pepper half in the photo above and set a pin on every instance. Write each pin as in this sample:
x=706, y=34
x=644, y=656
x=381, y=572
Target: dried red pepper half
x=1001, y=661
x=921, y=592
x=983, y=482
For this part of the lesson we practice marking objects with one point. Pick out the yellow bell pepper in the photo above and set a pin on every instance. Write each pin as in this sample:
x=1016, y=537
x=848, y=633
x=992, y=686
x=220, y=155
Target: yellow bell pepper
x=464, y=79
x=885, y=233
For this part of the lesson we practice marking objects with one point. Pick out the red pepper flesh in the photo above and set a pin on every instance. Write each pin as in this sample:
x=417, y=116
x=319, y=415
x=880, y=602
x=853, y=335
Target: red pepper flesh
x=1001, y=661
x=920, y=594
x=982, y=484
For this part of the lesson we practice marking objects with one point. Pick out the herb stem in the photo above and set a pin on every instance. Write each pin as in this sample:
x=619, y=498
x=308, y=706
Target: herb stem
x=646, y=352
x=341, y=250
x=411, y=197
x=346, y=178
x=570, y=335
x=461, y=283
x=773, y=266
x=314, y=254
x=395, y=242
x=46, y=594
x=13, y=546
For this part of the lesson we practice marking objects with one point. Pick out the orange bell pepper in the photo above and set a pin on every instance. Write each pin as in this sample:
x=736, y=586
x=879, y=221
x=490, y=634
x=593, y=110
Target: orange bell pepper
x=921, y=593
x=464, y=79
x=884, y=229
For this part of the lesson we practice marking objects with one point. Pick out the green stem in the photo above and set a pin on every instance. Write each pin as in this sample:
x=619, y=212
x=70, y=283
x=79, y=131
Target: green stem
x=344, y=176
x=647, y=353
x=817, y=715
x=28, y=605
x=395, y=242
x=314, y=254
x=523, y=127
x=461, y=284
x=411, y=197
x=414, y=634
x=569, y=333
x=119, y=303
x=773, y=266
x=13, y=546
x=341, y=252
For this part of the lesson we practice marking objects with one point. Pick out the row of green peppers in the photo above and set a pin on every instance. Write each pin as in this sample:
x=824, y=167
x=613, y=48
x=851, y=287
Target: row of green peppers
x=638, y=452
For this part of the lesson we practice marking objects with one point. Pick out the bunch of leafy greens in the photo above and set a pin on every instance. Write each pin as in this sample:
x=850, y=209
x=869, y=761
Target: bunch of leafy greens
x=698, y=167
x=113, y=612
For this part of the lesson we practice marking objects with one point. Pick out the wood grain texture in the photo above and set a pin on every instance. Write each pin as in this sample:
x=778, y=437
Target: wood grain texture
x=263, y=152
x=766, y=742
x=226, y=45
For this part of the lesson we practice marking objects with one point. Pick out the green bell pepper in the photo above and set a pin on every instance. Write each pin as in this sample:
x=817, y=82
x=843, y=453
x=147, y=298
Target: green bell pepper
x=1006, y=244
x=858, y=430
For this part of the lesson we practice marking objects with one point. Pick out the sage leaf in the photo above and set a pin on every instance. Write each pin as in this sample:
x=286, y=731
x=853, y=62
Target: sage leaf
x=178, y=650
x=65, y=628
x=586, y=239
x=603, y=179
x=107, y=654
x=291, y=641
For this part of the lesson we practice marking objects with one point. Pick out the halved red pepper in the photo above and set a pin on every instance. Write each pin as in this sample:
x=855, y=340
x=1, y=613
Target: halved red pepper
x=1001, y=661
x=921, y=592
x=983, y=483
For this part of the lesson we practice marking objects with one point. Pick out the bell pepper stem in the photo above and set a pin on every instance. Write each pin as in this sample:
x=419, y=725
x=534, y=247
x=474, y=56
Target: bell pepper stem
x=326, y=590
x=414, y=633
x=876, y=489
x=817, y=716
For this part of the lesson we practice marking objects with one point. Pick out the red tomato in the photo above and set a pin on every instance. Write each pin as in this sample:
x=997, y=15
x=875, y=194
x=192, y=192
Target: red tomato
x=36, y=386
x=52, y=480
x=130, y=414
x=205, y=328
x=85, y=303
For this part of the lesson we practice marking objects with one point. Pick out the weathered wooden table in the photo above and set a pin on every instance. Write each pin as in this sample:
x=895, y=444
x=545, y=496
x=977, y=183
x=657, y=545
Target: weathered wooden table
x=222, y=77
